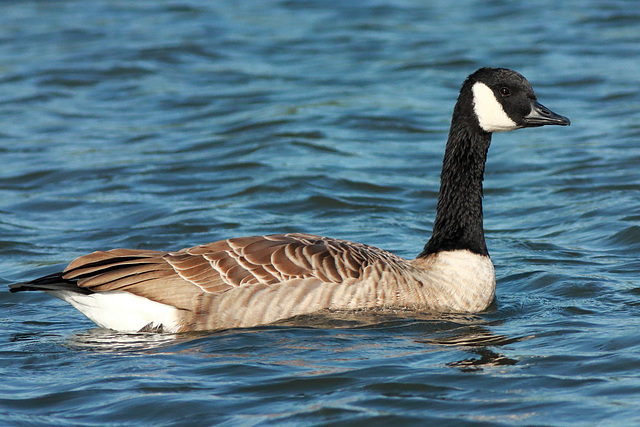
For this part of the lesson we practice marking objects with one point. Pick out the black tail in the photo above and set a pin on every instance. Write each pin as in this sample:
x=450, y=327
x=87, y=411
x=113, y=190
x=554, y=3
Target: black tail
x=52, y=282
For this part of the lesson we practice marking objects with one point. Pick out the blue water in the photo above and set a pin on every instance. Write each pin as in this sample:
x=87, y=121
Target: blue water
x=162, y=125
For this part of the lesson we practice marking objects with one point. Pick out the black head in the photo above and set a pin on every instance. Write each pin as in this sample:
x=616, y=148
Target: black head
x=504, y=100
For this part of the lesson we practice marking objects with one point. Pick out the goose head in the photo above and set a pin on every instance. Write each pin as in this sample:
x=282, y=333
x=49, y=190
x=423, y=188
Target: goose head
x=491, y=100
x=503, y=100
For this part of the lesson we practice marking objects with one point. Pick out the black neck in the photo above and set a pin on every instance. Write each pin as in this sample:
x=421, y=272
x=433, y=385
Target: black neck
x=458, y=223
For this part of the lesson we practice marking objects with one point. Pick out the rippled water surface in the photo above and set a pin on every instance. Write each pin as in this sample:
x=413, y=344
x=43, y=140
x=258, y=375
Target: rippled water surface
x=162, y=125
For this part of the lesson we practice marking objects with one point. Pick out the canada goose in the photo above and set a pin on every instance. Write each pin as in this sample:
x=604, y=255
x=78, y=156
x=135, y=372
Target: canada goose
x=251, y=281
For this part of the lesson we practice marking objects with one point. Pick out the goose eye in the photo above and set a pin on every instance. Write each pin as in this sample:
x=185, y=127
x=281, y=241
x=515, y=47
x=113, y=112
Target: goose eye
x=504, y=91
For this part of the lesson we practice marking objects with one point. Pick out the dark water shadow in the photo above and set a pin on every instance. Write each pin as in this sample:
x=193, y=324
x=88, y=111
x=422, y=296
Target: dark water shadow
x=479, y=341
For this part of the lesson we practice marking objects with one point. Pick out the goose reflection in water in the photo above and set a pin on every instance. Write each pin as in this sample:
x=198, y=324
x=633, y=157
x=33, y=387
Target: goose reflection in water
x=479, y=340
x=468, y=333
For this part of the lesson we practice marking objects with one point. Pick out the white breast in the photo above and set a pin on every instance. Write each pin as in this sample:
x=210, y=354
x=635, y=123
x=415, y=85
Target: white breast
x=458, y=281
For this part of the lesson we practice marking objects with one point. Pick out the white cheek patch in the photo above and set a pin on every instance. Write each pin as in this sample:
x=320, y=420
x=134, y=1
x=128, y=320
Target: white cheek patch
x=489, y=111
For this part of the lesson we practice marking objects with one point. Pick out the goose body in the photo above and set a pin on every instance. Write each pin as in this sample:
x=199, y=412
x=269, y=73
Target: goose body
x=249, y=281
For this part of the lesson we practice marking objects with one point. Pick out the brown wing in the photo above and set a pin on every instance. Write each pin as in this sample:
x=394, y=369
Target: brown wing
x=178, y=278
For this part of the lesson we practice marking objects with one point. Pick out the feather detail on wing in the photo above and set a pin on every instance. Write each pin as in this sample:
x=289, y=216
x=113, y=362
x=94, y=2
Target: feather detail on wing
x=179, y=278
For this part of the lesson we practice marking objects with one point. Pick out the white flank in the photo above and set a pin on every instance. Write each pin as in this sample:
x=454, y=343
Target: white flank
x=489, y=111
x=122, y=311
